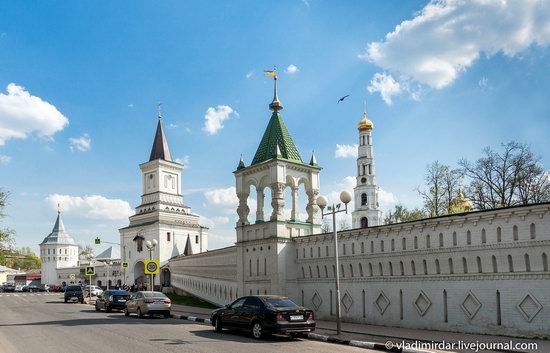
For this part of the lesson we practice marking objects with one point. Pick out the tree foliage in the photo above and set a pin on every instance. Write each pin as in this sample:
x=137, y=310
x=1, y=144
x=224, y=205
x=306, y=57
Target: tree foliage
x=6, y=234
x=513, y=176
x=401, y=214
x=442, y=185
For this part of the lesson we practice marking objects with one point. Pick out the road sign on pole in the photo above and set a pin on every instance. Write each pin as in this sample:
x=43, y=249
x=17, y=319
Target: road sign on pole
x=152, y=267
x=97, y=240
x=72, y=276
x=125, y=264
x=90, y=271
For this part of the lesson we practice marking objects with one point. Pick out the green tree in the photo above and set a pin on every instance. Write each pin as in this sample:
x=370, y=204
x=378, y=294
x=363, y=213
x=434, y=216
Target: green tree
x=441, y=187
x=6, y=234
x=401, y=214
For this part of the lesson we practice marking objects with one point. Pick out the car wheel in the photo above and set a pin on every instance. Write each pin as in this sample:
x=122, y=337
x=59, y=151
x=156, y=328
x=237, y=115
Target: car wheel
x=126, y=312
x=108, y=309
x=296, y=334
x=65, y=300
x=218, y=327
x=257, y=330
x=139, y=313
x=166, y=315
x=96, y=308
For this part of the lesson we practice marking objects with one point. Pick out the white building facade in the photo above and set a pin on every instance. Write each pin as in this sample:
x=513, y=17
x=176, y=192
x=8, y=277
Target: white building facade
x=479, y=272
x=161, y=216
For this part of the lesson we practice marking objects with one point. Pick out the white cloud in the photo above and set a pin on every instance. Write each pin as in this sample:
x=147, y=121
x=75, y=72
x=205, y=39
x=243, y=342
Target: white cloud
x=82, y=143
x=172, y=126
x=483, y=82
x=223, y=197
x=291, y=69
x=131, y=105
x=345, y=151
x=250, y=73
x=221, y=220
x=186, y=161
x=4, y=159
x=188, y=130
x=447, y=36
x=215, y=117
x=386, y=199
x=386, y=85
x=22, y=114
x=306, y=2
x=92, y=207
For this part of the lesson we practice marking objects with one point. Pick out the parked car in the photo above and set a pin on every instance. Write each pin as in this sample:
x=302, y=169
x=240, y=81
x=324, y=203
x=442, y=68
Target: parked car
x=112, y=299
x=263, y=315
x=94, y=289
x=74, y=293
x=150, y=303
x=33, y=288
x=8, y=287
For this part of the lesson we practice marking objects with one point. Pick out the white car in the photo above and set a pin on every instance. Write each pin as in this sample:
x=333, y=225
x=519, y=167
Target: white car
x=95, y=290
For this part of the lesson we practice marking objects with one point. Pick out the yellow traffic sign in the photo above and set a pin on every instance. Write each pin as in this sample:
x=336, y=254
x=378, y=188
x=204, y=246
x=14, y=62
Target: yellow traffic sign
x=90, y=271
x=72, y=276
x=151, y=267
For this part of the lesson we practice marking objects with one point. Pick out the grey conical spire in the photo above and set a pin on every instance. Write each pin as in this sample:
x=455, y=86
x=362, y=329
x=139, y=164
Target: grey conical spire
x=241, y=163
x=276, y=104
x=58, y=235
x=160, y=148
x=313, y=160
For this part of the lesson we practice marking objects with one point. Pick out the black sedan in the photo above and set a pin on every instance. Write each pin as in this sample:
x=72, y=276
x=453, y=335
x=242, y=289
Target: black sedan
x=112, y=299
x=264, y=314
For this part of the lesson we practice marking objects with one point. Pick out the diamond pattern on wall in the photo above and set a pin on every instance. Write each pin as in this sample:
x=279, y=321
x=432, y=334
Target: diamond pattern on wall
x=316, y=300
x=422, y=303
x=529, y=307
x=470, y=305
x=382, y=302
x=347, y=301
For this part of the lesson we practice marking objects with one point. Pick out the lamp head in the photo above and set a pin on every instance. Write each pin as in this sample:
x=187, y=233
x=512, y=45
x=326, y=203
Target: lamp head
x=345, y=197
x=148, y=243
x=154, y=242
x=321, y=202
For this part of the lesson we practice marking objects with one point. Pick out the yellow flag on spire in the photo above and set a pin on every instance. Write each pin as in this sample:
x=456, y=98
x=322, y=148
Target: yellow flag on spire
x=270, y=73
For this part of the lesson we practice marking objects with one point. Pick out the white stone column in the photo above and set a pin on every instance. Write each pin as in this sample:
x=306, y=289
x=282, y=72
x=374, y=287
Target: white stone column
x=312, y=207
x=277, y=201
x=294, y=211
x=260, y=206
x=243, y=210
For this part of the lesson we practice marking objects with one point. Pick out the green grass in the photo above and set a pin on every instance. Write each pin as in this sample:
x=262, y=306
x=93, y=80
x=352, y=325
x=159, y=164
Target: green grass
x=190, y=300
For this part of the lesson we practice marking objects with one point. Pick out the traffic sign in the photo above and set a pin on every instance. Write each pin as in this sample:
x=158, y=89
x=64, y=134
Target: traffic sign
x=97, y=241
x=151, y=267
x=72, y=276
x=90, y=271
x=125, y=264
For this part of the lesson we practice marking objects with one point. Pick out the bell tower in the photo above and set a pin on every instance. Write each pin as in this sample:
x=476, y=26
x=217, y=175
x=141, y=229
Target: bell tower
x=265, y=244
x=367, y=210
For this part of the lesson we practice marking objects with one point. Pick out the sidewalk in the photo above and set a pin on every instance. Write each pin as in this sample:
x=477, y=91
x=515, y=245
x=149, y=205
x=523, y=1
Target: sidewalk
x=396, y=335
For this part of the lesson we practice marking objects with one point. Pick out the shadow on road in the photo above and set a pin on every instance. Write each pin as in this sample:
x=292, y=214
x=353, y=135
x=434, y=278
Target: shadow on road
x=240, y=336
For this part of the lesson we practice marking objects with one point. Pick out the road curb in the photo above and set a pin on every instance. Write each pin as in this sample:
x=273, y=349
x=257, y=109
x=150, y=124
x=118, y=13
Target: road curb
x=361, y=344
x=191, y=318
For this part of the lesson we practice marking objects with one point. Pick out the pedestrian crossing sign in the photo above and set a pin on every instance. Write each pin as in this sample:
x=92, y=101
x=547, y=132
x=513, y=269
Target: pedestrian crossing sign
x=90, y=271
x=125, y=264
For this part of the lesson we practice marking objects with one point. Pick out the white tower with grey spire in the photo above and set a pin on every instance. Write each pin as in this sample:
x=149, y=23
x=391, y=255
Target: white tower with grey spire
x=367, y=210
x=58, y=249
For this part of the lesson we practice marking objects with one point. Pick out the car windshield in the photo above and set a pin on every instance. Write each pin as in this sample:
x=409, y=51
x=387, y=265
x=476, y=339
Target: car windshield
x=154, y=295
x=280, y=302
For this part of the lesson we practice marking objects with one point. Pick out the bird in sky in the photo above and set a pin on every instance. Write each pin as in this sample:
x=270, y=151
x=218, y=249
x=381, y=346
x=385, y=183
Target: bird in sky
x=342, y=99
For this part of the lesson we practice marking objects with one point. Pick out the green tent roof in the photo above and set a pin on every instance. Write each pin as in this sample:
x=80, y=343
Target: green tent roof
x=275, y=134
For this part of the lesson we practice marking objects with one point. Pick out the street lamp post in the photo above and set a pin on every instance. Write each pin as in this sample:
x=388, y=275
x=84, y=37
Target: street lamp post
x=345, y=197
x=151, y=244
x=107, y=265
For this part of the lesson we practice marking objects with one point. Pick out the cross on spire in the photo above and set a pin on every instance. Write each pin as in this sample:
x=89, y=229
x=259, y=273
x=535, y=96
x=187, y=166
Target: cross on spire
x=158, y=109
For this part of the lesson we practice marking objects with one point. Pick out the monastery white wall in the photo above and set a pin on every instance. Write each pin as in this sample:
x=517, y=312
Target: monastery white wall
x=482, y=272
x=211, y=276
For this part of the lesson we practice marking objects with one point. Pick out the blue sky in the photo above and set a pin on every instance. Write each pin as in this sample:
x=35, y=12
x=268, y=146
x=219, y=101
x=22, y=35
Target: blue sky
x=79, y=83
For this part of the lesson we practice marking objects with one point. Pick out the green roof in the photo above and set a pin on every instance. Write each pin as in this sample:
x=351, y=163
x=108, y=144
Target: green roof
x=275, y=134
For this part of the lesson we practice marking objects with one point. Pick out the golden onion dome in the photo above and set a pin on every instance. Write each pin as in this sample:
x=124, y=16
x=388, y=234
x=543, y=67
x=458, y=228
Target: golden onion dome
x=365, y=123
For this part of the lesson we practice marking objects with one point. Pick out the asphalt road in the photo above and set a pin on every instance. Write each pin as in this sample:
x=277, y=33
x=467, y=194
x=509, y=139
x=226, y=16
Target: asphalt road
x=42, y=323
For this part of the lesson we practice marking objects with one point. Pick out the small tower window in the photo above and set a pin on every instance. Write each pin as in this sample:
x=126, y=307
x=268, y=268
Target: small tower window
x=363, y=199
x=196, y=239
x=364, y=222
x=168, y=236
x=370, y=169
x=368, y=139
